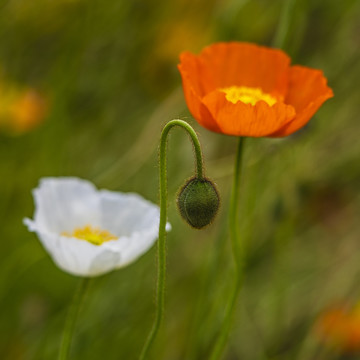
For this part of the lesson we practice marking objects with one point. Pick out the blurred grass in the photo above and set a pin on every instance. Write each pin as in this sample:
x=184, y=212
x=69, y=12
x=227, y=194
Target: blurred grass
x=110, y=71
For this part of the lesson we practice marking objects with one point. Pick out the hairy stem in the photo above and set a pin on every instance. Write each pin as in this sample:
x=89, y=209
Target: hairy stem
x=238, y=255
x=71, y=318
x=160, y=294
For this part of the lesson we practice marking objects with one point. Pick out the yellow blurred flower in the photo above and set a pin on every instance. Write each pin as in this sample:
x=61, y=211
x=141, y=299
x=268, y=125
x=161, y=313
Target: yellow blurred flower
x=170, y=38
x=339, y=327
x=174, y=37
x=21, y=110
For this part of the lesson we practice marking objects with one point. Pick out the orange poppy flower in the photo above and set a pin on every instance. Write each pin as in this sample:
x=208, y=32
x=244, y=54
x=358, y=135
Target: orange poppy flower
x=27, y=111
x=244, y=89
x=21, y=110
x=339, y=327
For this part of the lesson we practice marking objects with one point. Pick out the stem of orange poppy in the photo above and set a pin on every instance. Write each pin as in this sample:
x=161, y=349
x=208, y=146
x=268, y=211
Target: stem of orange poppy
x=161, y=276
x=71, y=318
x=238, y=255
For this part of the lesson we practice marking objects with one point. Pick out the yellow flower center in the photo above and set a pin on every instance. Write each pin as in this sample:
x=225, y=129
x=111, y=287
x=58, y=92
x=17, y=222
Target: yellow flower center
x=247, y=95
x=94, y=236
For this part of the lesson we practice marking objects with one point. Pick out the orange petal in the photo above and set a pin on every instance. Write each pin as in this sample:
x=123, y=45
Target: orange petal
x=353, y=335
x=193, y=68
x=191, y=72
x=244, y=64
x=308, y=90
x=245, y=119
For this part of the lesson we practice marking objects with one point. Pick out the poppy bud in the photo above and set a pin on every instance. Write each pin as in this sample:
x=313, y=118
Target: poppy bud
x=198, y=202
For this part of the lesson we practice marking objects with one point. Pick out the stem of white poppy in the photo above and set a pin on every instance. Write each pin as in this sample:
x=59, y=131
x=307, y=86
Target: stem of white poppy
x=238, y=255
x=71, y=318
x=160, y=295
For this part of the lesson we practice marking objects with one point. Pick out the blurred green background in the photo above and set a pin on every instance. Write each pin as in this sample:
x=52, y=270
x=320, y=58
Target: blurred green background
x=107, y=73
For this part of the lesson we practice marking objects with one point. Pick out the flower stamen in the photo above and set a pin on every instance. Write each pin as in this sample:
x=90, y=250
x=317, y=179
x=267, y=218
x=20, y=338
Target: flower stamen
x=94, y=236
x=247, y=95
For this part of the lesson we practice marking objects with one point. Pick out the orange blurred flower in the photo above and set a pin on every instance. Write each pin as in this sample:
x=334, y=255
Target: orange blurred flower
x=339, y=327
x=21, y=110
x=244, y=89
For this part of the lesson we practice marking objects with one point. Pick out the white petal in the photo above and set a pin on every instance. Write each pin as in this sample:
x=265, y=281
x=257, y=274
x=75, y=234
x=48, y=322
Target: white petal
x=75, y=256
x=131, y=215
x=62, y=204
x=123, y=214
x=131, y=248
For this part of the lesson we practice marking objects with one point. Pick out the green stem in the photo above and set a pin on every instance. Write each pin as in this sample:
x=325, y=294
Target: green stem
x=160, y=296
x=71, y=318
x=281, y=40
x=282, y=31
x=238, y=255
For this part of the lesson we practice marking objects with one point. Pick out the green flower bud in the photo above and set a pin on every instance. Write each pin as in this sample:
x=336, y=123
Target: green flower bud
x=198, y=202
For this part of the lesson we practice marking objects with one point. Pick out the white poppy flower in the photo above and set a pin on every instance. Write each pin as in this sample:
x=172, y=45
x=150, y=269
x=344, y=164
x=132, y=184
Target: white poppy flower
x=89, y=232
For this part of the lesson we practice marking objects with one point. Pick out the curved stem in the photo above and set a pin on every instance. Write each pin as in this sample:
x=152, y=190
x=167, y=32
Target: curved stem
x=160, y=295
x=195, y=141
x=71, y=318
x=238, y=255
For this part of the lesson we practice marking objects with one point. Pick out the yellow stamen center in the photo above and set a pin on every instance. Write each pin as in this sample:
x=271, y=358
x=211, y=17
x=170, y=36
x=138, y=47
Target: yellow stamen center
x=247, y=95
x=94, y=236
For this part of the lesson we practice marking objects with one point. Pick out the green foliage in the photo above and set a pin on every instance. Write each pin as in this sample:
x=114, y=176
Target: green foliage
x=109, y=70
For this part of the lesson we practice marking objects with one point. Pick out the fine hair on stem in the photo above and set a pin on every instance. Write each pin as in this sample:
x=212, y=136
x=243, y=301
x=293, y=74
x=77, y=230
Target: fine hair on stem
x=161, y=244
